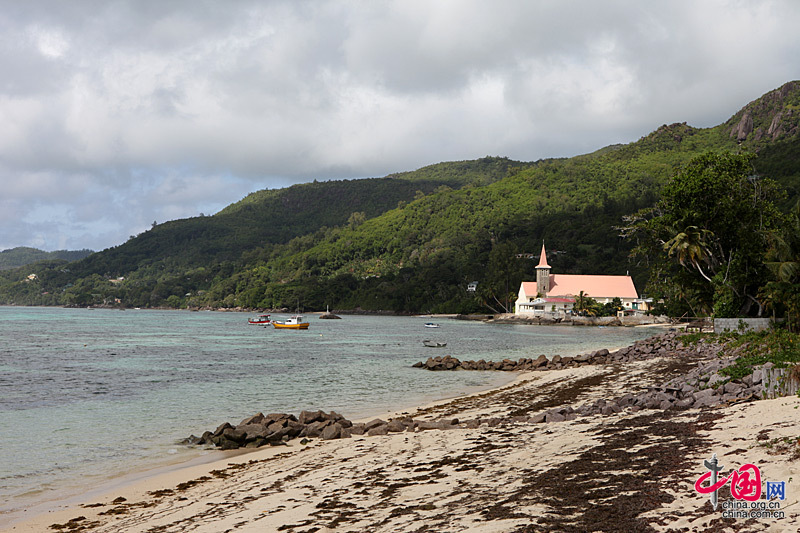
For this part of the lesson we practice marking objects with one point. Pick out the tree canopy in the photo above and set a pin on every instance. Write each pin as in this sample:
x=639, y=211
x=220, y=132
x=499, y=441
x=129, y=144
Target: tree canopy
x=707, y=237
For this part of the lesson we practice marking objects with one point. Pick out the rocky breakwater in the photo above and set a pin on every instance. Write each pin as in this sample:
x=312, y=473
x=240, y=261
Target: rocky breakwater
x=700, y=382
x=542, y=362
x=658, y=346
x=278, y=428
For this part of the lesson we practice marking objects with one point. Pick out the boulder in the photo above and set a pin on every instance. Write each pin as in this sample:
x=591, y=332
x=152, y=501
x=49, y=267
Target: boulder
x=332, y=431
x=374, y=423
x=235, y=435
x=704, y=393
x=255, y=419
x=253, y=431
x=395, y=426
x=277, y=426
x=307, y=417
x=378, y=430
x=540, y=361
x=537, y=418
x=428, y=424
x=221, y=428
x=554, y=417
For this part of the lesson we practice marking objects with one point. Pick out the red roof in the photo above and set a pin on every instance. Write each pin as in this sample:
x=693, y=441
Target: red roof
x=592, y=286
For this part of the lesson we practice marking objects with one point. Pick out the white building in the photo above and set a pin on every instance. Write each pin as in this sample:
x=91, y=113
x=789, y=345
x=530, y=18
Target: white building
x=603, y=289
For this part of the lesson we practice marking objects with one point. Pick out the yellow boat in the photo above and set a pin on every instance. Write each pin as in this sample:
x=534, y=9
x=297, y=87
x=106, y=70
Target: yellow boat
x=295, y=322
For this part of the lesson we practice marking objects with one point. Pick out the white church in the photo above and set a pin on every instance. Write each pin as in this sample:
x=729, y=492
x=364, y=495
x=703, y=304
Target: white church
x=556, y=293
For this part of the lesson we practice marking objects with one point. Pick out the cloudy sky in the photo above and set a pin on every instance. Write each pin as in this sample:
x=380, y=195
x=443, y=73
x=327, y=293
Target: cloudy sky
x=115, y=113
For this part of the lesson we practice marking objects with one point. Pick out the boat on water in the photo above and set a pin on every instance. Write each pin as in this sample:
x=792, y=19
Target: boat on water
x=434, y=344
x=294, y=322
x=431, y=325
x=260, y=320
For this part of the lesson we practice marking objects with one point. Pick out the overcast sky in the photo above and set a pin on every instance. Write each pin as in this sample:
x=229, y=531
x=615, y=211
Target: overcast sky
x=115, y=114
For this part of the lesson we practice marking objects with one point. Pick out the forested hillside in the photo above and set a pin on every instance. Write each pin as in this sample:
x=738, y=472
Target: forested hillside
x=411, y=242
x=21, y=256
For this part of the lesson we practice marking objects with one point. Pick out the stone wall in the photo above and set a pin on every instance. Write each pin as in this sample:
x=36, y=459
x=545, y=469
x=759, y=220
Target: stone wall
x=732, y=324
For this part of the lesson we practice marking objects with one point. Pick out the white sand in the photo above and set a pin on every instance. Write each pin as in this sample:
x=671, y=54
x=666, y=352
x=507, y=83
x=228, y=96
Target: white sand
x=494, y=478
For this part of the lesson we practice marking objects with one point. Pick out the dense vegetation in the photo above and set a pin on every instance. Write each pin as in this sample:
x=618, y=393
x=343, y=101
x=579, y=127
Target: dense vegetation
x=713, y=221
x=411, y=242
x=21, y=256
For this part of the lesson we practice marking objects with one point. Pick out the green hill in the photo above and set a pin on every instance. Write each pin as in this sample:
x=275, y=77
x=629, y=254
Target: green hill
x=21, y=256
x=410, y=242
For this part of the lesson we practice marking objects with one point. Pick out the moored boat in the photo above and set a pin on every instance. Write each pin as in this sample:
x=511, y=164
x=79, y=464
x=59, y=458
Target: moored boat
x=434, y=344
x=294, y=322
x=260, y=320
x=431, y=325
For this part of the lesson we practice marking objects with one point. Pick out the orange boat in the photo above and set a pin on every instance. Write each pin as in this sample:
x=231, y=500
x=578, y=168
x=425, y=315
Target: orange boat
x=295, y=322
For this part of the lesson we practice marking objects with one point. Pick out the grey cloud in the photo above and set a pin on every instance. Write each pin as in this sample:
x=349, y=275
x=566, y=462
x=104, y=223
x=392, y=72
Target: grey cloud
x=135, y=111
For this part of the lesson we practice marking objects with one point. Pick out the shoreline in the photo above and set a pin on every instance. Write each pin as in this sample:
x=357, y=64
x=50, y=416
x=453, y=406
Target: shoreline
x=502, y=473
x=499, y=477
x=132, y=485
x=28, y=486
x=212, y=459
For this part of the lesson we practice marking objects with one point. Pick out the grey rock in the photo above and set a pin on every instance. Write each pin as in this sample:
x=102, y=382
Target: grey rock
x=704, y=393
x=255, y=419
x=378, y=430
x=253, y=431
x=333, y=431
x=374, y=423
x=395, y=426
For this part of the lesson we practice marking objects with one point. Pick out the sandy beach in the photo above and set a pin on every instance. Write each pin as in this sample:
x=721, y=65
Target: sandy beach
x=497, y=470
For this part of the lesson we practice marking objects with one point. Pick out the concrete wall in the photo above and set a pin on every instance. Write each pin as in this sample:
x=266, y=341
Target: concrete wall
x=732, y=324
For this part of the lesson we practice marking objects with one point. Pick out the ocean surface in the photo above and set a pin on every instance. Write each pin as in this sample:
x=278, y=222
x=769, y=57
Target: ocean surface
x=89, y=395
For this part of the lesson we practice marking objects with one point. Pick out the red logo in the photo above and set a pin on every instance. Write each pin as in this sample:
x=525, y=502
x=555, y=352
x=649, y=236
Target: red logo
x=745, y=483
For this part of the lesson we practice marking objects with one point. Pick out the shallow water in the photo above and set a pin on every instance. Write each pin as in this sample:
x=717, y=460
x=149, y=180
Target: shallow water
x=87, y=395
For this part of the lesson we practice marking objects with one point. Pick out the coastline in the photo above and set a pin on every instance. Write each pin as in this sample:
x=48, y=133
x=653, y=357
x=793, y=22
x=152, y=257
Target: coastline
x=374, y=378
x=502, y=473
x=136, y=484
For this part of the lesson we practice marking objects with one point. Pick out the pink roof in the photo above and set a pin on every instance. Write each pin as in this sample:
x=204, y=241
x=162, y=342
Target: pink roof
x=543, y=259
x=559, y=300
x=530, y=288
x=592, y=286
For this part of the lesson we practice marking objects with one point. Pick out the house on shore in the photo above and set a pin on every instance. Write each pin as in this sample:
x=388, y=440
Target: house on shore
x=555, y=294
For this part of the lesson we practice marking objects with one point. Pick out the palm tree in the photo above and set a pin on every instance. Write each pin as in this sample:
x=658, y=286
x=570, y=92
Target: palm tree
x=784, y=250
x=784, y=263
x=585, y=305
x=691, y=246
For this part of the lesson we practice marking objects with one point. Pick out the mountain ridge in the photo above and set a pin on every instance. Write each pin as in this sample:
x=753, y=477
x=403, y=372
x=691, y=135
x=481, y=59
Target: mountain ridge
x=412, y=240
x=21, y=256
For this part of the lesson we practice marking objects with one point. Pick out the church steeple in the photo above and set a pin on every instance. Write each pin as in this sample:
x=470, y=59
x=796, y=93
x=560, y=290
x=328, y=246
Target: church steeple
x=543, y=275
x=543, y=259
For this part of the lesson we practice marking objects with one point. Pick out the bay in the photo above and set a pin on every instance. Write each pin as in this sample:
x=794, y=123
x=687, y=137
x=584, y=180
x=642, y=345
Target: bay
x=89, y=395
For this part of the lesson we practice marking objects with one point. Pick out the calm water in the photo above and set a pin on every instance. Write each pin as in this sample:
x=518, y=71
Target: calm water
x=87, y=395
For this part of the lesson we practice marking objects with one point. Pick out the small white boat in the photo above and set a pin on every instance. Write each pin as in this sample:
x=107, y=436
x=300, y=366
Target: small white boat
x=431, y=325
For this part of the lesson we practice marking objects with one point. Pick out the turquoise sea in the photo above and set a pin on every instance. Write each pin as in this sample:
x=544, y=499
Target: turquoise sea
x=89, y=395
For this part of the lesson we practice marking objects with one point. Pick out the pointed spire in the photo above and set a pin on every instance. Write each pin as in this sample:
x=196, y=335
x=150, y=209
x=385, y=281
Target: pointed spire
x=543, y=259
